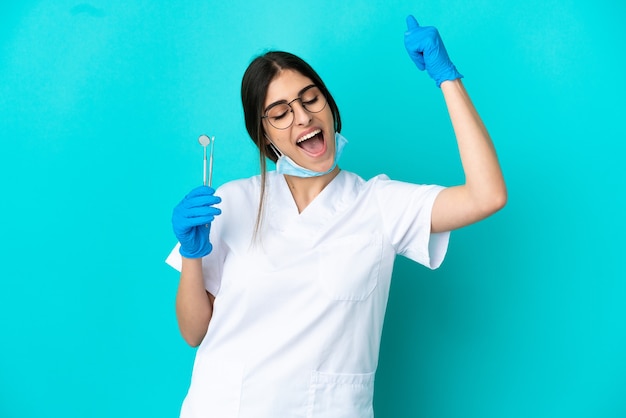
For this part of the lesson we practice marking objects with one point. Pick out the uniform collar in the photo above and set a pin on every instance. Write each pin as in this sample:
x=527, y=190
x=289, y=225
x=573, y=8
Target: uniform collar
x=282, y=212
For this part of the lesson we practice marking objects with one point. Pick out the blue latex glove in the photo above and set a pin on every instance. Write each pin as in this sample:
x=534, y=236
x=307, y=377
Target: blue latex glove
x=192, y=219
x=426, y=49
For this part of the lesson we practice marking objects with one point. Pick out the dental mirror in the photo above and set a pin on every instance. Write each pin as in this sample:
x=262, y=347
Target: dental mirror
x=204, y=140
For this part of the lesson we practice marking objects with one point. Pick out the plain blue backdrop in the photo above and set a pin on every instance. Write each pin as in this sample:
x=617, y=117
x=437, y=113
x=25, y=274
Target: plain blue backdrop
x=101, y=104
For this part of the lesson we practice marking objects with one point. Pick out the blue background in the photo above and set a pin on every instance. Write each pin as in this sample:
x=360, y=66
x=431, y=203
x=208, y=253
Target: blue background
x=101, y=104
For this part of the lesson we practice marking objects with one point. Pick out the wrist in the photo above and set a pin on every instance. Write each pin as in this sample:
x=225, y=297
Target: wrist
x=191, y=263
x=450, y=83
x=195, y=253
x=450, y=74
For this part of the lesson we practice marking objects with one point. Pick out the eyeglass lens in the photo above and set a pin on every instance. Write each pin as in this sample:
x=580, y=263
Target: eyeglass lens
x=281, y=115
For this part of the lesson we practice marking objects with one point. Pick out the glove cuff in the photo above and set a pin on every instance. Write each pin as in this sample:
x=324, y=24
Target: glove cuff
x=196, y=253
x=450, y=74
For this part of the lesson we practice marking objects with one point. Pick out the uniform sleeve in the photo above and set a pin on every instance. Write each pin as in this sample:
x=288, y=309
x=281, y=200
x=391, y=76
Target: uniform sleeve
x=406, y=211
x=211, y=266
x=232, y=227
x=174, y=259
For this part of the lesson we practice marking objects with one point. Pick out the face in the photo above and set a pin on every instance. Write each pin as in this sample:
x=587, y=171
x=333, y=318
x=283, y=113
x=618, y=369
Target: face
x=310, y=140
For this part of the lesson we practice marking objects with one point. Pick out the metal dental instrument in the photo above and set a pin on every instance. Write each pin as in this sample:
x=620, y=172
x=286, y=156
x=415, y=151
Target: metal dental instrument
x=211, y=162
x=204, y=140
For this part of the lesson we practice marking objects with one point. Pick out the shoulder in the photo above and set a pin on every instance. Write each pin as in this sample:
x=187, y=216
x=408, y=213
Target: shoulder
x=350, y=180
x=240, y=192
x=391, y=192
x=351, y=184
x=382, y=181
x=358, y=185
x=238, y=186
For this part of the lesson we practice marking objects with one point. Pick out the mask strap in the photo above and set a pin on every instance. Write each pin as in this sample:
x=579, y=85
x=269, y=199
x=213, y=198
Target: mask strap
x=274, y=147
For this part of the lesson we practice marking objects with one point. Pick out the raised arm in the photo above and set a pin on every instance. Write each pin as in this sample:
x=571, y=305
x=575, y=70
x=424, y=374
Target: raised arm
x=484, y=191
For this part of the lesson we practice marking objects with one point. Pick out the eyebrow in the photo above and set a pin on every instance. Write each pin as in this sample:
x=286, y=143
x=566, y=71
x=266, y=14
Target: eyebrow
x=285, y=101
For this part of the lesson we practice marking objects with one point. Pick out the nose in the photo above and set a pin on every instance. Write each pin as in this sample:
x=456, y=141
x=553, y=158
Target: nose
x=300, y=115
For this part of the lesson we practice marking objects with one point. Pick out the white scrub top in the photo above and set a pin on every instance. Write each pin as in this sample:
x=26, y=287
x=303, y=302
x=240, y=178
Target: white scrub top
x=299, y=312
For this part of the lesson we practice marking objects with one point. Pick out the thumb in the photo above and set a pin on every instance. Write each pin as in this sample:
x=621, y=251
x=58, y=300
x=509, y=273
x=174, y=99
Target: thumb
x=411, y=22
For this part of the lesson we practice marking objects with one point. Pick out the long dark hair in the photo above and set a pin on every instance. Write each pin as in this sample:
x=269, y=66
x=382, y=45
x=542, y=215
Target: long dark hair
x=259, y=74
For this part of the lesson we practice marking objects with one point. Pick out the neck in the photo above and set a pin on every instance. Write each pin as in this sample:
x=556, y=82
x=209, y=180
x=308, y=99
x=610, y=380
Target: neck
x=305, y=190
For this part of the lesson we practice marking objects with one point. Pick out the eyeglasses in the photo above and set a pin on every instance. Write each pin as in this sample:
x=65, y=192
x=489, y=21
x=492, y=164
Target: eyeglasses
x=280, y=114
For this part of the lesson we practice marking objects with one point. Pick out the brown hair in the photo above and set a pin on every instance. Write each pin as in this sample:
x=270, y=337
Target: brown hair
x=259, y=74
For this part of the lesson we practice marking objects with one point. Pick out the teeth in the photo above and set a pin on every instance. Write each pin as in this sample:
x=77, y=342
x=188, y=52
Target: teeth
x=309, y=136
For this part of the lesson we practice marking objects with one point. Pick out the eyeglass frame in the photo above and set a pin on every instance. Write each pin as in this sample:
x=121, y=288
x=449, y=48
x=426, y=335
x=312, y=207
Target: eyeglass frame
x=299, y=98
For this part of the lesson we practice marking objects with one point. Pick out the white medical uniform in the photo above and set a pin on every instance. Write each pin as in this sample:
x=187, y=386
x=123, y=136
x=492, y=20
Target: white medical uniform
x=298, y=313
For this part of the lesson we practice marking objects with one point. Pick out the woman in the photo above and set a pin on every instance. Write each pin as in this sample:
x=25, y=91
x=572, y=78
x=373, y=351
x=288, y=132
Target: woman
x=287, y=299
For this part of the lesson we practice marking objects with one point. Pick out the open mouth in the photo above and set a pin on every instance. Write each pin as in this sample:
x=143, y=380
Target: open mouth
x=313, y=143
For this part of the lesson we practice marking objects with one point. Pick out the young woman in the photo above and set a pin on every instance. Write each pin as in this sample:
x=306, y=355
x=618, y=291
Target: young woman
x=287, y=299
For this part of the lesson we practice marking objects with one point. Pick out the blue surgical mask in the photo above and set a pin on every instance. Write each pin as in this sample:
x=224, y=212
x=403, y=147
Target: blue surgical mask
x=286, y=165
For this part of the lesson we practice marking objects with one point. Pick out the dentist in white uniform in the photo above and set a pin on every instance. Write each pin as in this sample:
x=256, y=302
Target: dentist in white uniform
x=285, y=276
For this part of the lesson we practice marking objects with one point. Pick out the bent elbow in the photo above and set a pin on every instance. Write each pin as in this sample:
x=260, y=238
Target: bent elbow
x=500, y=199
x=192, y=340
x=497, y=200
x=193, y=333
x=194, y=343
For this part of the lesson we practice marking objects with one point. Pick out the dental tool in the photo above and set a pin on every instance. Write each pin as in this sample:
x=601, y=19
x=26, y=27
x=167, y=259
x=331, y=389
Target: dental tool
x=204, y=140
